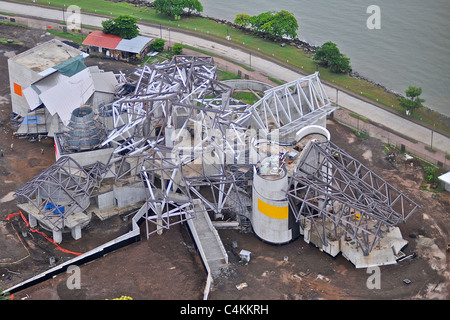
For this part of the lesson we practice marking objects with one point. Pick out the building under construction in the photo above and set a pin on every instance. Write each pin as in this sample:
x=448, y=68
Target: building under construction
x=174, y=146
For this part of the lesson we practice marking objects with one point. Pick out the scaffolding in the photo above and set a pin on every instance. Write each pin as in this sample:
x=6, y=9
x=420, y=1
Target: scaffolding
x=58, y=195
x=176, y=129
x=340, y=197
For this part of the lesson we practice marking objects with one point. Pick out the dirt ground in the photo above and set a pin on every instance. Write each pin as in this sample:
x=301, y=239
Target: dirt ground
x=168, y=267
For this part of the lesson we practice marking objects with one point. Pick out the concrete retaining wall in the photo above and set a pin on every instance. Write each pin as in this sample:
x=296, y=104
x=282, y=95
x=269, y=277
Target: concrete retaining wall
x=240, y=84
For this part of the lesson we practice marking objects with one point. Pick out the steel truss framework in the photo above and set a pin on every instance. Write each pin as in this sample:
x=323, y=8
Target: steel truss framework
x=185, y=96
x=210, y=132
x=179, y=132
x=60, y=191
x=291, y=106
x=339, y=196
x=166, y=197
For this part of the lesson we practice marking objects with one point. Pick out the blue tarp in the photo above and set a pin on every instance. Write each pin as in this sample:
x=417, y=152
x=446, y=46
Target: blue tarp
x=31, y=120
x=58, y=209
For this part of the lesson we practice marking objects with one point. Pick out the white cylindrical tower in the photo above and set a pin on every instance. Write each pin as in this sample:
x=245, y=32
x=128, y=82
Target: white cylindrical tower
x=271, y=219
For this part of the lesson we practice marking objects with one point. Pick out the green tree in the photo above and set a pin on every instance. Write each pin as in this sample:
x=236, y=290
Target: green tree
x=329, y=55
x=326, y=53
x=242, y=20
x=108, y=26
x=177, y=48
x=175, y=8
x=158, y=45
x=431, y=175
x=124, y=26
x=413, y=100
x=261, y=19
x=193, y=5
x=276, y=24
x=341, y=64
x=283, y=23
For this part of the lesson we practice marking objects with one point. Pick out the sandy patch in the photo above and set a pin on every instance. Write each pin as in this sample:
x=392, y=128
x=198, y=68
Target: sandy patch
x=8, y=197
x=9, y=54
x=368, y=155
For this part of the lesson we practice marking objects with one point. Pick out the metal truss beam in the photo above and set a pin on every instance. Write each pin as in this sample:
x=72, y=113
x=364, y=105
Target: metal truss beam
x=339, y=195
x=59, y=191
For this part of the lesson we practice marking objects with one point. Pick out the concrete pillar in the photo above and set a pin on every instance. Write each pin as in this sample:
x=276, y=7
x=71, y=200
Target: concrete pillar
x=32, y=220
x=159, y=221
x=169, y=135
x=76, y=232
x=57, y=236
x=270, y=209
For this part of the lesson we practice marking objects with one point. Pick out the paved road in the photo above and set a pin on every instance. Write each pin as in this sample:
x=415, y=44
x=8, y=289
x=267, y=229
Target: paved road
x=368, y=110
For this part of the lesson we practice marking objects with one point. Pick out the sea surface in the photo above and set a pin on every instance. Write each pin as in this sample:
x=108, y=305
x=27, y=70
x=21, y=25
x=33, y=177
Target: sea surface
x=412, y=46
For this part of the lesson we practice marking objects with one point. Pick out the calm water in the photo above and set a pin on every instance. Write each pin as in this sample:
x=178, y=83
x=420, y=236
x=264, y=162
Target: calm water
x=411, y=48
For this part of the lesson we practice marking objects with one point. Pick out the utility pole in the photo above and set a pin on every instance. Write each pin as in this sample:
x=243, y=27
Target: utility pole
x=169, y=36
x=432, y=140
x=337, y=97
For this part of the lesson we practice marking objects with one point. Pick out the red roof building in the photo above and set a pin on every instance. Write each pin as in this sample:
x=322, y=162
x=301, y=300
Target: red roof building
x=117, y=47
x=103, y=40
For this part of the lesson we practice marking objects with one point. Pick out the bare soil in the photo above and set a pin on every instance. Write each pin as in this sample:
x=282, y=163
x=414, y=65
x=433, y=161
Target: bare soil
x=168, y=267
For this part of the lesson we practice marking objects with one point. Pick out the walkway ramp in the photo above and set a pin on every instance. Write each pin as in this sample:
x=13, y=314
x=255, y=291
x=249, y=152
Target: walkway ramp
x=207, y=239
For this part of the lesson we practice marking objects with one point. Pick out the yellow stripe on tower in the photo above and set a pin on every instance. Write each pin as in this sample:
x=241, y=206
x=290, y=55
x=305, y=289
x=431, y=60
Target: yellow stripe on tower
x=273, y=211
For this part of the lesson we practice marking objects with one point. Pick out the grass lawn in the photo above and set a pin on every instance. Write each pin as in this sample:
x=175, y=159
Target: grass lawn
x=74, y=37
x=6, y=41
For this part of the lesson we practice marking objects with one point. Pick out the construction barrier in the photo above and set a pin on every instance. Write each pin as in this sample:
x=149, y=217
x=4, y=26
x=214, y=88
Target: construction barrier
x=12, y=215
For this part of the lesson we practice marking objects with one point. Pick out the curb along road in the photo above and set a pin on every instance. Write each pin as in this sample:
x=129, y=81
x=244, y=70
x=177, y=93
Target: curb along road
x=273, y=69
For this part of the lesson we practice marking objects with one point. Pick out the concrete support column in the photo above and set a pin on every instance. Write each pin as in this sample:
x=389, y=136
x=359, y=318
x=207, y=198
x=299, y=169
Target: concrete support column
x=169, y=134
x=76, y=232
x=32, y=220
x=159, y=221
x=57, y=236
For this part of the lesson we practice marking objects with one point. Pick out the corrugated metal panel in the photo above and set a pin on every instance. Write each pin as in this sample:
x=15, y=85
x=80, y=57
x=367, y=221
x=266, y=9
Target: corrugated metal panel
x=68, y=95
x=32, y=93
x=48, y=82
x=99, y=39
x=32, y=97
x=445, y=177
x=104, y=82
x=47, y=72
x=135, y=45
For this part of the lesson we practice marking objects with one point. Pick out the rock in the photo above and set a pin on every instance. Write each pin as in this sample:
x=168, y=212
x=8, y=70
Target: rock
x=323, y=278
x=241, y=286
x=424, y=241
